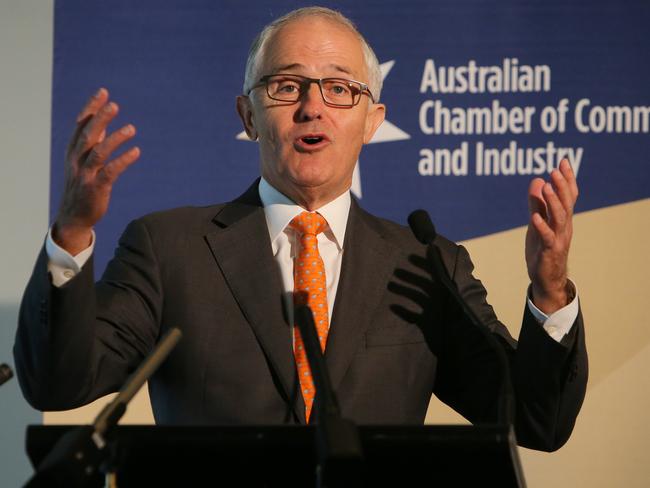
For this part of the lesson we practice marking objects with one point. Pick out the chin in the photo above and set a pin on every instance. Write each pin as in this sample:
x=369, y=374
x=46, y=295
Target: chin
x=311, y=173
x=310, y=182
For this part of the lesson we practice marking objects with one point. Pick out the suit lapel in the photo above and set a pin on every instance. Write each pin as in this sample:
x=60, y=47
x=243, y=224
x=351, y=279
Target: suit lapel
x=242, y=250
x=368, y=261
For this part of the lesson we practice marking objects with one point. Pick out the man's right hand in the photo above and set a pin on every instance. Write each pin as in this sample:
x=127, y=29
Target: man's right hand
x=90, y=173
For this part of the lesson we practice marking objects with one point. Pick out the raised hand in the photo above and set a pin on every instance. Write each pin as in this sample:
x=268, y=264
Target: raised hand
x=90, y=173
x=548, y=238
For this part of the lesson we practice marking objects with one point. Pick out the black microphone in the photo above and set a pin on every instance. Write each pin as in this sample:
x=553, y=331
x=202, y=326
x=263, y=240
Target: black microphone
x=326, y=401
x=422, y=227
x=113, y=412
x=337, y=439
x=5, y=373
x=77, y=456
x=425, y=232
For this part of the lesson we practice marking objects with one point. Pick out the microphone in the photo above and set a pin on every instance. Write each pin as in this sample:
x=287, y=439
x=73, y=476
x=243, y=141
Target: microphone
x=112, y=413
x=327, y=400
x=425, y=232
x=5, y=373
x=337, y=439
x=422, y=227
x=76, y=458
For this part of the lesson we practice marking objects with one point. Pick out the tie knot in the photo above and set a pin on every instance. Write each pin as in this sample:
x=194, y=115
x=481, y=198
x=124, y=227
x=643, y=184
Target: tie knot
x=309, y=223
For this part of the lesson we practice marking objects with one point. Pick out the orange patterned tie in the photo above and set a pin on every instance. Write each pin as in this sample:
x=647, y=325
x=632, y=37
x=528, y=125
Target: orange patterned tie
x=310, y=289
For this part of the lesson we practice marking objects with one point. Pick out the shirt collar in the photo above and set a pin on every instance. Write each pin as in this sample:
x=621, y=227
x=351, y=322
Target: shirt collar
x=280, y=210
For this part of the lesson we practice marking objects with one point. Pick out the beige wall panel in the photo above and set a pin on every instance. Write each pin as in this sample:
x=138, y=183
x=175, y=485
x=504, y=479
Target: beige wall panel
x=610, y=444
x=138, y=412
x=610, y=266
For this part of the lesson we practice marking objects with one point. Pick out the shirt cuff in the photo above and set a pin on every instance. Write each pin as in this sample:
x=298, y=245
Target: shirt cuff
x=62, y=265
x=559, y=323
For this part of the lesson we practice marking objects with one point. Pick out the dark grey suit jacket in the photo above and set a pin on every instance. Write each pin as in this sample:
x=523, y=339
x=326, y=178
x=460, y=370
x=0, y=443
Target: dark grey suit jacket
x=395, y=336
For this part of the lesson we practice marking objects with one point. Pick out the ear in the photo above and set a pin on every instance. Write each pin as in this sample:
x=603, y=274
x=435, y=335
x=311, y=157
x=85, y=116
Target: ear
x=245, y=111
x=374, y=118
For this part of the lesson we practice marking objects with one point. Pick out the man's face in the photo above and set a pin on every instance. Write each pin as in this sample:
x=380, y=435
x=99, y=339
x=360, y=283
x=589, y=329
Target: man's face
x=311, y=174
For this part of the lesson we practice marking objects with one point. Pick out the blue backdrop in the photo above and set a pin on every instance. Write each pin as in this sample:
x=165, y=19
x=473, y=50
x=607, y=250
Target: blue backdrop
x=175, y=67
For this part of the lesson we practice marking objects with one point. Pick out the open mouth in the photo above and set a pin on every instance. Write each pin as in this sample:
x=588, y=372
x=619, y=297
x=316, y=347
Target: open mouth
x=311, y=142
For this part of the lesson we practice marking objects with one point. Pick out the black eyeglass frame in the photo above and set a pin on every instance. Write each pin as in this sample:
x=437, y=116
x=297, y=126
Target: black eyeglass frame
x=306, y=82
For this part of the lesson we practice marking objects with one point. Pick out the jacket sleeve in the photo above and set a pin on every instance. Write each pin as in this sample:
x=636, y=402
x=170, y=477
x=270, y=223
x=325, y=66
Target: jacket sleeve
x=82, y=340
x=549, y=378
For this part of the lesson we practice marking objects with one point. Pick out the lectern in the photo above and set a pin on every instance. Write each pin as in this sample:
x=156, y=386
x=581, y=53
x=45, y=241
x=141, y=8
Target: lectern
x=285, y=456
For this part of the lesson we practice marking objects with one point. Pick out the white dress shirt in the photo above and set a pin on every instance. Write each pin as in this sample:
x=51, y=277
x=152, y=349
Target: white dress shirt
x=279, y=211
x=285, y=242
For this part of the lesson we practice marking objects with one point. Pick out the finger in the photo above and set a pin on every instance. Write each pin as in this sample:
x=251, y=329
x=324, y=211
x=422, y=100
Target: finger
x=570, y=177
x=75, y=137
x=92, y=131
x=94, y=104
x=111, y=171
x=536, y=201
x=562, y=190
x=544, y=231
x=557, y=213
x=102, y=151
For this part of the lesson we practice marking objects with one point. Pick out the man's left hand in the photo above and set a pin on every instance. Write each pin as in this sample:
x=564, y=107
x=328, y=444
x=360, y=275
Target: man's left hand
x=549, y=237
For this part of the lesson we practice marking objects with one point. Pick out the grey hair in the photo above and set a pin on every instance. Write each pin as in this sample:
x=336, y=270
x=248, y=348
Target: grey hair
x=258, y=48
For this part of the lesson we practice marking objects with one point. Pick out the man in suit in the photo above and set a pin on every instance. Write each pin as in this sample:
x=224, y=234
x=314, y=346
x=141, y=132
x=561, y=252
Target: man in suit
x=228, y=274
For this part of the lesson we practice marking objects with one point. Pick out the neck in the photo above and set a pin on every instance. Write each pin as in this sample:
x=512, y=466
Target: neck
x=309, y=198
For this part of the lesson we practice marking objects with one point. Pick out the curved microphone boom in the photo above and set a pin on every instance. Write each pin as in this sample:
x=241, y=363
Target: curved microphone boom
x=78, y=456
x=425, y=232
x=338, y=445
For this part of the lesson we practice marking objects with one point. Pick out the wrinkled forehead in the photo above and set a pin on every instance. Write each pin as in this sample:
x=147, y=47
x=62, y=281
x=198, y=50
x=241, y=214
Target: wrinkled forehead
x=317, y=48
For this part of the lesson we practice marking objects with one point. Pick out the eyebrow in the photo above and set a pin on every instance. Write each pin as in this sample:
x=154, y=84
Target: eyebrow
x=336, y=67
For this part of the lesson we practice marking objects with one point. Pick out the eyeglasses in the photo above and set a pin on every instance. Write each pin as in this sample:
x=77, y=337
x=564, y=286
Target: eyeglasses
x=338, y=92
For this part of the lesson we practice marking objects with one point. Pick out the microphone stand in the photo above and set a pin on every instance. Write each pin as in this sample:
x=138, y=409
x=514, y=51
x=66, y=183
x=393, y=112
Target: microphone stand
x=338, y=445
x=424, y=231
x=78, y=457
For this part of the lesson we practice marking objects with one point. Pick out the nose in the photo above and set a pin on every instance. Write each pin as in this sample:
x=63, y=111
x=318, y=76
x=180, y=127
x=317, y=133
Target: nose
x=311, y=103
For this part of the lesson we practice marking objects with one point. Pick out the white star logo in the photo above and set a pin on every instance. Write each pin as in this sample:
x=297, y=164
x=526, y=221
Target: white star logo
x=386, y=132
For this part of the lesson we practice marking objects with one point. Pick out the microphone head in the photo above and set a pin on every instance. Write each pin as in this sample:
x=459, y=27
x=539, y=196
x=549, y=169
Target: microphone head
x=422, y=227
x=5, y=373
